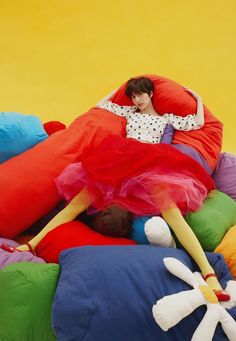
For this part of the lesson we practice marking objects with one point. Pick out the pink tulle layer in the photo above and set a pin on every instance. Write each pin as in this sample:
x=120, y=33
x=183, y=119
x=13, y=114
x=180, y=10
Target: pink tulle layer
x=144, y=194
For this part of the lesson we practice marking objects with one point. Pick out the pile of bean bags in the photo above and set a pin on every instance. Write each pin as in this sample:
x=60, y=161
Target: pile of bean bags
x=30, y=193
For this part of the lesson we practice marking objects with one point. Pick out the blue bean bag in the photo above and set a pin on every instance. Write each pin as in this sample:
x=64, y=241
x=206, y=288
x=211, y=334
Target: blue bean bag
x=107, y=293
x=18, y=133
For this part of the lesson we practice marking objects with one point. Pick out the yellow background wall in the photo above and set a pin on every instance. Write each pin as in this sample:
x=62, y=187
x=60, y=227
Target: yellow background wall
x=58, y=57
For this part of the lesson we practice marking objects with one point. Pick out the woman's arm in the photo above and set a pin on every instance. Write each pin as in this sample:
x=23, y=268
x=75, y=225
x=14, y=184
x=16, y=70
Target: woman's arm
x=77, y=205
x=189, y=122
x=120, y=110
x=105, y=99
x=200, y=110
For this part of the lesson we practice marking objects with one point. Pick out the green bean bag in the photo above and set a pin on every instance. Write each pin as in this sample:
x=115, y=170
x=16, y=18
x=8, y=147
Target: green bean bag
x=26, y=295
x=215, y=218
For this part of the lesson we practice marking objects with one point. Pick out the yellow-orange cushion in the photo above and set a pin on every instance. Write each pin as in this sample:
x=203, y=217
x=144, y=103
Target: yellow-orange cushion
x=227, y=248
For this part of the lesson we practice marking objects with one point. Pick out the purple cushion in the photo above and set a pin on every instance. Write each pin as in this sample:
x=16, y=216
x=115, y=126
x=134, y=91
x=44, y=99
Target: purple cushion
x=167, y=138
x=224, y=174
x=168, y=134
x=194, y=155
x=7, y=258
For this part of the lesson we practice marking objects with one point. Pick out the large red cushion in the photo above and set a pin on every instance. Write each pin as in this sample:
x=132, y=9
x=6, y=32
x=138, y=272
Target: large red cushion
x=170, y=97
x=73, y=234
x=28, y=190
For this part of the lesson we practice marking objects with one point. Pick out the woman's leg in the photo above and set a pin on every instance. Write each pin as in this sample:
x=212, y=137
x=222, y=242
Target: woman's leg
x=190, y=242
x=77, y=205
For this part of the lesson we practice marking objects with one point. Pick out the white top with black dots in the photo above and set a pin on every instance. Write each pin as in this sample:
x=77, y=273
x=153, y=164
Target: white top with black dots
x=148, y=127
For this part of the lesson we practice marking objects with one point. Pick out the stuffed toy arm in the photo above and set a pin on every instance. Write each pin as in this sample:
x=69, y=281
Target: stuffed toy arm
x=215, y=313
x=171, y=309
x=158, y=232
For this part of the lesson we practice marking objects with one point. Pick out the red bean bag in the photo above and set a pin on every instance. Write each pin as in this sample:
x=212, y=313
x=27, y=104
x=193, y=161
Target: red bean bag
x=28, y=191
x=73, y=234
x=170, y=97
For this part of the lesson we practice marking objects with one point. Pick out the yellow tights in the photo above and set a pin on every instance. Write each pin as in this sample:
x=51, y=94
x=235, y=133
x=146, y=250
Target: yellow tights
x=191, y=244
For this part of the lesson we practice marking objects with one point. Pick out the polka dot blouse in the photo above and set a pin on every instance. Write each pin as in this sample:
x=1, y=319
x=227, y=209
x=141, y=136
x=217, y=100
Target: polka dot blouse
x=149, y=127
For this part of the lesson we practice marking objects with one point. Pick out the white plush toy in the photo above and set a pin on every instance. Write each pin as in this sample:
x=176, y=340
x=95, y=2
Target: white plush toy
x=158, y=233
x=171, y=309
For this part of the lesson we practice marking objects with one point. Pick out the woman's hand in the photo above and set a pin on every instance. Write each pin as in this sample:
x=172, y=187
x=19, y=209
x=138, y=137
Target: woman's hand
x=200, y=110
x=105, y=99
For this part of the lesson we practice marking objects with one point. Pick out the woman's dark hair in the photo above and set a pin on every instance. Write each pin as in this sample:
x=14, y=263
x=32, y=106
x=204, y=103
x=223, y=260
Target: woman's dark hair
x=138, y=85
x=115, y=221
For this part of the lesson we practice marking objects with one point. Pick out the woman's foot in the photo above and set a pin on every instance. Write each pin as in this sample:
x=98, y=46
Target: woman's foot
x=158, y=233
x=8, y=248
x=25, y=247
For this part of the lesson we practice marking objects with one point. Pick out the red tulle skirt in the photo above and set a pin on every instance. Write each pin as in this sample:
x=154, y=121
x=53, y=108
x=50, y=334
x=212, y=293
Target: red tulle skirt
x=144, y=178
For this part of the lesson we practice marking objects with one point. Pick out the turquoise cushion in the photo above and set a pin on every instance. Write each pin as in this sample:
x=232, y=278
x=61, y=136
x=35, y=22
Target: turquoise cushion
x=18, y=133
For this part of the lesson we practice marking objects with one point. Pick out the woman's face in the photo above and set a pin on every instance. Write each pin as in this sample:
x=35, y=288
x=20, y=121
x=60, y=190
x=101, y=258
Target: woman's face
x=142, y=100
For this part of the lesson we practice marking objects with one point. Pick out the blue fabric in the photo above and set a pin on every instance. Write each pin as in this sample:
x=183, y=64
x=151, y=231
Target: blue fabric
x=107, y=293
x=18, y=133
x=138, y=234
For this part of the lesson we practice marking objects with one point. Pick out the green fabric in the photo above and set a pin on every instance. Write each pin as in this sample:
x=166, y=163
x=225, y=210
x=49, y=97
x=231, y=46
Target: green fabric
x=215, y=218
x=26, y=295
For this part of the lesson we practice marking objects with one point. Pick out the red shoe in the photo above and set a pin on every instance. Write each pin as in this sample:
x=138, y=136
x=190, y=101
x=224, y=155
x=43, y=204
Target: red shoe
x=12, y=249
x=221, y=295
x=9, y=248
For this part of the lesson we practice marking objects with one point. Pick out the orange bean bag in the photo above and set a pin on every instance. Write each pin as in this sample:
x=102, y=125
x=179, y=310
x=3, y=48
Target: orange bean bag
x=28, y=191
x=170, y=97
x=27, y=185
x=227, y=248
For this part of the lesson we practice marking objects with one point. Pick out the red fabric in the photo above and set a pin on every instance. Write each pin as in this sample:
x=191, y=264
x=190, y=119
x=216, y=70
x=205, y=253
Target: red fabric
x=126, y=172
x=70, y=235
x=52, y=127
x=170, y=97
x=27, y=181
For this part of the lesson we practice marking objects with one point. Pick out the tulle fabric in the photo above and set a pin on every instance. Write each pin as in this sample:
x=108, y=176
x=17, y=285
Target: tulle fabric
x=144, y=178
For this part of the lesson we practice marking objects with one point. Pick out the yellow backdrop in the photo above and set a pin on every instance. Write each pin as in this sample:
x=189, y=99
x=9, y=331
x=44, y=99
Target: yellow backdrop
x=58, y=57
